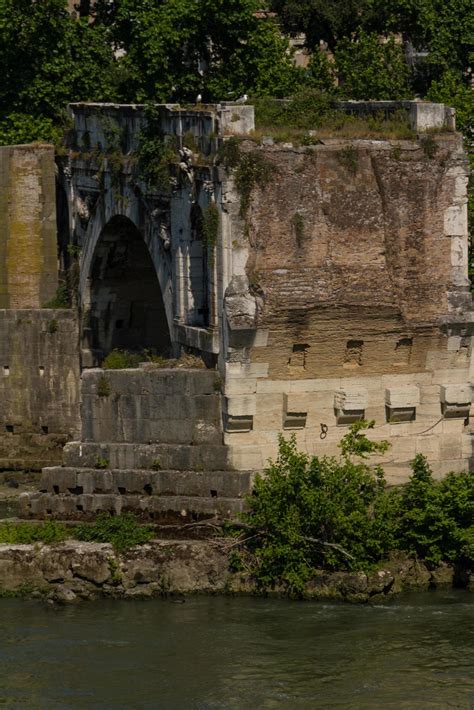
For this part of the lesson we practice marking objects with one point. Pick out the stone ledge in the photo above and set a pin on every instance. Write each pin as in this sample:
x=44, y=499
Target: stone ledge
x=72, y=571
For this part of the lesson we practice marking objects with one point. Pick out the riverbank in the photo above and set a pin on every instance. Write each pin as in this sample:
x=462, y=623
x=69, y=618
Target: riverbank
x=72, y=571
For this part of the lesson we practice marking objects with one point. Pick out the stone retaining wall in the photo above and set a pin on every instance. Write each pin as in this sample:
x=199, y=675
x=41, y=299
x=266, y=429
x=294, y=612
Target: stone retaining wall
x=71, y=571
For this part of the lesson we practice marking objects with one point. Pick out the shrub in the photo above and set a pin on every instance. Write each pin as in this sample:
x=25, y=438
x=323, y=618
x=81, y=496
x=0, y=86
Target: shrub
x=103, y=387
x=122, y=531
x=308, y=513
x=122, y=360
x=28, y=533
x=316, y=512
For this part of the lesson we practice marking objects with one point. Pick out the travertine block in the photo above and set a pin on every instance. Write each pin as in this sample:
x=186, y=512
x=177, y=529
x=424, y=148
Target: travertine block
x=456, y=394
x=455, y=221
x=406, y=396
x=450, y=446
x=351, y=399
x=240, y=386
x=241, y=405
x=428, y=446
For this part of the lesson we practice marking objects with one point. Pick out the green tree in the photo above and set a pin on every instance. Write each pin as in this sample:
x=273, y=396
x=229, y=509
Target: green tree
x=177, y=49
x=47, y=60
x=370, y=68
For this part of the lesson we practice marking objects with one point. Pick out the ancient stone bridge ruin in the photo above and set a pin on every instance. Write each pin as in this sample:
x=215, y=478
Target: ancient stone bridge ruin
x=320, y=284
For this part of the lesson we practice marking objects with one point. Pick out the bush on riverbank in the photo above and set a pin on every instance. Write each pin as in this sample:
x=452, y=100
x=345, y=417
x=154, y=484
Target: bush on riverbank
x=338, y=514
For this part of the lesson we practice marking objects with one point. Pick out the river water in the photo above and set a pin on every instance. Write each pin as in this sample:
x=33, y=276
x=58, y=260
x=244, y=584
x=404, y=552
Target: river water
x=211, y=652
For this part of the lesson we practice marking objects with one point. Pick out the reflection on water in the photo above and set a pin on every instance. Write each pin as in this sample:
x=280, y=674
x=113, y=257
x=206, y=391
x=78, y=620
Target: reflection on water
x=210, y=653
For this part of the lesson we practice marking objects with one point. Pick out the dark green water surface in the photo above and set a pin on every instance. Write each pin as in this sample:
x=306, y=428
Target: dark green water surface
x=416, y=652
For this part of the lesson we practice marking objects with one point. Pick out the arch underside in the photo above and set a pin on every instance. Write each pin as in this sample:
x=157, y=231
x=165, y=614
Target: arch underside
x=126, y=308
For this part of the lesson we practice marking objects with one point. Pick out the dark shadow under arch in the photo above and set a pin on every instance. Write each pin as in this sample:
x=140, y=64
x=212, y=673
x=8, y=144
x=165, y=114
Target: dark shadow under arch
x=126, y=307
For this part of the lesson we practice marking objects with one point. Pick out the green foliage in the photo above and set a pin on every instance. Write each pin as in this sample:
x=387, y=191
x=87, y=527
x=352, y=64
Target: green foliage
x=155, y=153
x=121, y=531
x=122, y=360
x=156, y=465
x=371, y=69
x=253, y=170
x=429, y=146
x=62, y=298
x=53, y=326
x=312, y=110
x=349, y=158
x=28, y=533
x=101, y=463
x=308, y=512
x=210, y=225
x=48, y=59
x=103, y=387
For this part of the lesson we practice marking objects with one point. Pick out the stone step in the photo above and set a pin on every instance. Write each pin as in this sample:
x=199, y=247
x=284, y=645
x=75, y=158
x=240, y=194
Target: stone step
x=178, y=457
x=211, y=484
x=159, y=509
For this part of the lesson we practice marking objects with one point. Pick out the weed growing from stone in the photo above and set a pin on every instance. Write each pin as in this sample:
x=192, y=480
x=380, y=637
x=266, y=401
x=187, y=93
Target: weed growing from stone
x=429, y=146
x=103, y=387
x=122, y=360
x=101, y=463
x=121, y=531
x=349, y=158
x=29, y=533
x=253, y=170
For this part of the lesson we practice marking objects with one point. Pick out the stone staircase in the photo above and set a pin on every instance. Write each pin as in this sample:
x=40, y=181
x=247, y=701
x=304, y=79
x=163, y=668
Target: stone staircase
x=152, y=446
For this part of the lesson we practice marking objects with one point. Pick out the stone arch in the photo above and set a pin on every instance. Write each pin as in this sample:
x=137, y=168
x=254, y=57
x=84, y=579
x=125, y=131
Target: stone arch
x=123, y=305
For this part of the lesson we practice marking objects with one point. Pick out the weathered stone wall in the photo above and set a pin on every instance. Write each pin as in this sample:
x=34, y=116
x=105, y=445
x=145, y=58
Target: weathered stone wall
x=74, y=571
x=28, y=248
x=350, y=298
x=39, y=386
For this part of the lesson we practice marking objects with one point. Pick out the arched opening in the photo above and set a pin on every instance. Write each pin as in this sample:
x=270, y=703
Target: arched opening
x=198, y=270
x=125, y=307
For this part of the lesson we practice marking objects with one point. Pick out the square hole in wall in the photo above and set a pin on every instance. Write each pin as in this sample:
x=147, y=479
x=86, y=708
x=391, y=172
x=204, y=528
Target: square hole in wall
x=294, y=420
x=45, y=429
x=353, y=354
x=238, y=424
x=403, y=351
x=9, y=428
x=119, y=323
x=396, y=415
x=298, y=356
x=349, y=416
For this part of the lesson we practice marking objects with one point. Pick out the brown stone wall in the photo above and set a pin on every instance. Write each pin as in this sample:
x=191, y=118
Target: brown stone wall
x=348, y=251
x=28, y=249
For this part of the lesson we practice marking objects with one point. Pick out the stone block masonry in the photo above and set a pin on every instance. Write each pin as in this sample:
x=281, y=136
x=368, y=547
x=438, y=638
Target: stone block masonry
x=28, y=246
x=39, y=386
